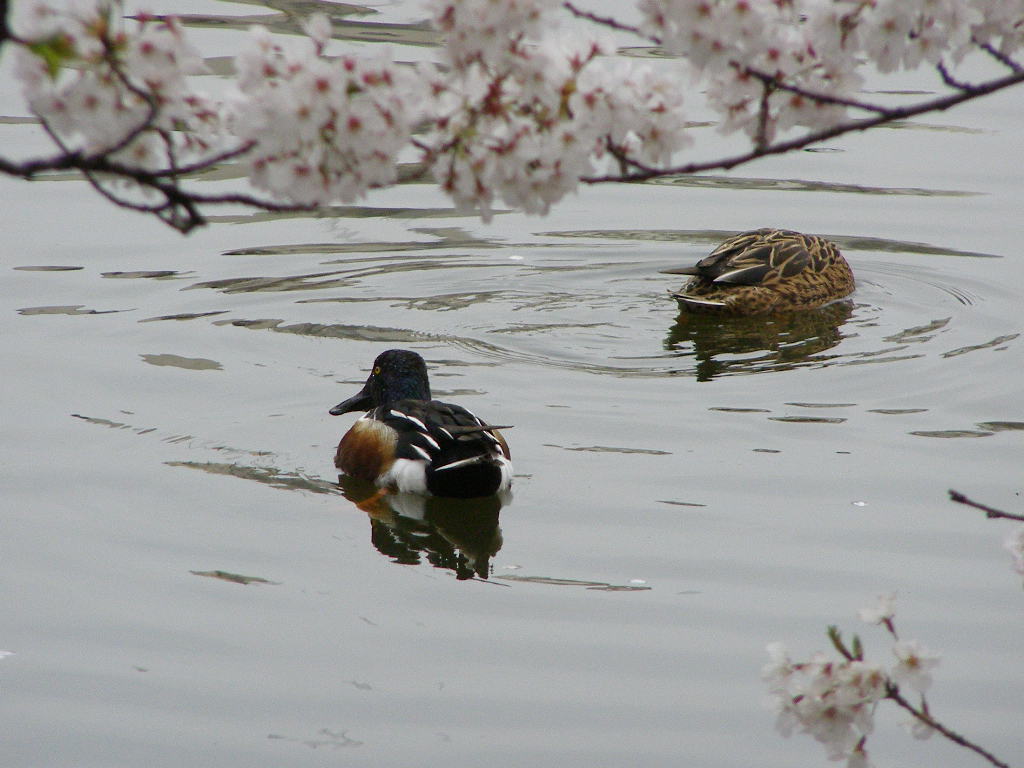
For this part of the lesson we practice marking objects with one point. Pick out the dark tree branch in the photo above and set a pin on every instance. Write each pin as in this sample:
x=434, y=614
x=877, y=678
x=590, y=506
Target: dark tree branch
x=892, y=691
x=180, y=207
x=205, y=164
x=990, y=512
x=644, y=173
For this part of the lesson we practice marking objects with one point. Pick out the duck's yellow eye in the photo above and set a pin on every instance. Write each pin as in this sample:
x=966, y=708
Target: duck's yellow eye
x=376, y=370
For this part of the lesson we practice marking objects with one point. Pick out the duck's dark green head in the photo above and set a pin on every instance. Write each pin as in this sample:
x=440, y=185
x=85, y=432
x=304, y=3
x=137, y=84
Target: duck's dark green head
x=397, y=374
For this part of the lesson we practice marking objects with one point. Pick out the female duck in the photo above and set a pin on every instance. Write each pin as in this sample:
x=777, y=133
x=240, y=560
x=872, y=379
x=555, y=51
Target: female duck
x=766, y=270
x=414, y=444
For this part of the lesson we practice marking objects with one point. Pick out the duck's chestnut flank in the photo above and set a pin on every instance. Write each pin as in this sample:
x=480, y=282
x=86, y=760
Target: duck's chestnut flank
x=412, y=443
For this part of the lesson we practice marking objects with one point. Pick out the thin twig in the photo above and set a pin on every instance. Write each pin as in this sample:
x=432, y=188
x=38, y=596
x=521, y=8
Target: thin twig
x=892, y=691
x=990, y=512
x=951, y=81
x=606, y=21
x=999, y=56
x=821, y=98
x=206, y=163
x=179, y=207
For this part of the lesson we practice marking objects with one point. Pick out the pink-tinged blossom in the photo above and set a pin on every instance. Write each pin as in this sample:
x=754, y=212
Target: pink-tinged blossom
x=519, y=110
x=816, y=48
x=115, y=84
x=918, y=728
x=524, y=111
x=888, y=26
x=489, y=32
x=321, y=129
x=914, y=664
x=1000, y=24
x=833, y=700
x=882, y=612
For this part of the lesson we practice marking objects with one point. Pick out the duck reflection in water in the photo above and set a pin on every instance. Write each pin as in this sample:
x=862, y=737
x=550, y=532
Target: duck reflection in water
x=461, y=535
x=773, y=291
x=728, y=345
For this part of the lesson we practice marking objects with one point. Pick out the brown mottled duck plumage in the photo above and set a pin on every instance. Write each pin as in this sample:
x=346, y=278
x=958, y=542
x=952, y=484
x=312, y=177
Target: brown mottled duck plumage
x=766, y=270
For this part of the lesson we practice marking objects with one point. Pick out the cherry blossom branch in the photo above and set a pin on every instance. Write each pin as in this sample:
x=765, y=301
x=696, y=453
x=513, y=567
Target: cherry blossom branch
x=855, y=653
x=835, y=699
x=516, y=111
x=892, y=692
x=768, y=79
x=179, y=208
x=939, y=104
x=990, y=512
x=101, y=157
x=775, y=82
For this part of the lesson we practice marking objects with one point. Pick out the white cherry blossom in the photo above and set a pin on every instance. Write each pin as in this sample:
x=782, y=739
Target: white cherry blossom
x=321, y=129
x=526, y=111
x=882, y=612
x=915, y=663
x=119, y=86
x=918, y=728
x=520, y=108
x=833, y=700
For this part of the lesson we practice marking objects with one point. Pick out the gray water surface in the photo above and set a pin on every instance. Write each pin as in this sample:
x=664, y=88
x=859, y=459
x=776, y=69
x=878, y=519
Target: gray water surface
x=187, y=585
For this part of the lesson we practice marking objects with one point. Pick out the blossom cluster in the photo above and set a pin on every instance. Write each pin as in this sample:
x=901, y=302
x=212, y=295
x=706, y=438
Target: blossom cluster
x=524, y=110
x=321, y=128
x=809, y=48
x=834, y=699
x=488, y=32
x=517, y=109
x=105, y=87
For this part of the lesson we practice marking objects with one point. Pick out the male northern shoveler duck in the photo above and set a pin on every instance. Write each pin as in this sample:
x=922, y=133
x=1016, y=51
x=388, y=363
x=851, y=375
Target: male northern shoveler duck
x=766, y=270
x=414, y=444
